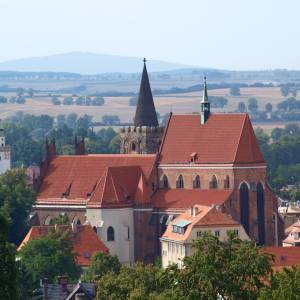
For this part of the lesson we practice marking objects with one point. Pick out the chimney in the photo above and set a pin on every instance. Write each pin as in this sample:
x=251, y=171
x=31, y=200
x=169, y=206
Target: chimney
x=45, y=285
x=63, y=282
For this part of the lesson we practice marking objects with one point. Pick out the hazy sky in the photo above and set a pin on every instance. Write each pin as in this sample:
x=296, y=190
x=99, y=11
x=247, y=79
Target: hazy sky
x=228, y=34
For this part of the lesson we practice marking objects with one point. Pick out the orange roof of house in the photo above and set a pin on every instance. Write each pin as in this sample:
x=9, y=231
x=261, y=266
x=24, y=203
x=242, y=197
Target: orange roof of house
x=224, y=138
x=73, y=179
x=284, y=256
x=185, y=198
x=205, y=217
x=85, y=241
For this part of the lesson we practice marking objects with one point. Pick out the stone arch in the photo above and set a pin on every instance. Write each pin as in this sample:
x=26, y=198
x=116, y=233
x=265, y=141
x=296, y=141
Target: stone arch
x=244, y=182
x=214, y=182
x=165, y=182
x=260, y=202
x=180, y=182
x=110, y=234
x=244, y=206
x=48, y=220
x=197, y=182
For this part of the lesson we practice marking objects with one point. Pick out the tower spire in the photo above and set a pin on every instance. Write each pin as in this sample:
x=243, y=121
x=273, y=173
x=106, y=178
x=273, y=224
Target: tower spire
x=145, y=114
x=205, y=105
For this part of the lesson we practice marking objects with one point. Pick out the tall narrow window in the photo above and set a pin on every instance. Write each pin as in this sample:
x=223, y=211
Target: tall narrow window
x=180, y=183
x=133, y=147
x=165, y=182
x=226, y=182
x=110, y=234
x=244, y=206
x=214, y=183
x=260, y=199
x=196, y=183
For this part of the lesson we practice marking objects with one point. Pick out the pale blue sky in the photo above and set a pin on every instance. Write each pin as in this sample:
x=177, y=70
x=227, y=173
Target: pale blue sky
x=228, y=34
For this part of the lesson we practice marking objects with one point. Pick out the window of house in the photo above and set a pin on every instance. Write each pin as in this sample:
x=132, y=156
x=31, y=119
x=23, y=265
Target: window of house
x=180, y=182
x=217, y=233
x=110, y=234
x=169, y=247
x=199, y=233
x=165, y=182
x=177, y=248
x=214, y=183
x=226, y=182
x=196, y=183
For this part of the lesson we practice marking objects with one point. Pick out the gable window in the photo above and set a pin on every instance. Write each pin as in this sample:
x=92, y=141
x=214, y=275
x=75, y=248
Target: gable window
x=226, y=182
x=165, y=182
x=214, y=183
x=110, y=234
x=196, y=182
x=180, y=183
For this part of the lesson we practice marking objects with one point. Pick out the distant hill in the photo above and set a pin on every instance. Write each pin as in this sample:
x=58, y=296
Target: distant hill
x=86, y=63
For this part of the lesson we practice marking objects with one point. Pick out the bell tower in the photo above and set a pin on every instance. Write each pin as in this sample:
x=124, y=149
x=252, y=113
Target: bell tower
x=145, y=136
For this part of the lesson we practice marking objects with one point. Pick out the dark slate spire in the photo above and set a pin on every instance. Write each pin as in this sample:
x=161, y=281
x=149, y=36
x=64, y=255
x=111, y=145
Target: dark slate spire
x=205, y=105
x=145, y=114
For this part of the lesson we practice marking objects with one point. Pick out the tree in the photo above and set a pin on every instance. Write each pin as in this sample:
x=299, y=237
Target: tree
x=241, y=107
x=80, y=101
x=71, y=120
x=3, y=99
x=252, y=105
x=60, y=220
x=8, y=274
x=218, y=102
x=68, y=100
x=269, y=107
x=49, y=256
x=30, y=92
x=55, y=101
x=101, y=264
x=234, y=91
x=20, y=92
x=111, y=120
x=16, y=199
x=285, y=285
x=231, y=270
x=284, y=90
x=98, y=101
x=60, y=120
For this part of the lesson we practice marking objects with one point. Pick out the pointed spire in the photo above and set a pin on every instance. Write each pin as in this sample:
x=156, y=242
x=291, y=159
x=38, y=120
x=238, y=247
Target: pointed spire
x=145, y=114
x=205, y=105
x=205, y=96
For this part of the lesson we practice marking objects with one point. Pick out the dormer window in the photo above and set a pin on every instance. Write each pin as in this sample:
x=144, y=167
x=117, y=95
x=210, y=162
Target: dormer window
x=214, y=183
x=165, y=182
x=196, y=182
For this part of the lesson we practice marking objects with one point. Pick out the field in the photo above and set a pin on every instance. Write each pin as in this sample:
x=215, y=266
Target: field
x=177, y=103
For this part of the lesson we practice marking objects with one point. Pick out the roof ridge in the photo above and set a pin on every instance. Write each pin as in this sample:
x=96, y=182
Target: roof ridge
x=164, y=135
x=240, y=138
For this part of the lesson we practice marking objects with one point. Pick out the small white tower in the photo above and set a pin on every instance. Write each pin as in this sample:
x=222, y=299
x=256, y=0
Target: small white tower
x=4, y=153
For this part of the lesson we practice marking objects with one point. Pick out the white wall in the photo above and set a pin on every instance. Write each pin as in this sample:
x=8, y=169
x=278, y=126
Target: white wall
x=4, y=160
x=120, y=219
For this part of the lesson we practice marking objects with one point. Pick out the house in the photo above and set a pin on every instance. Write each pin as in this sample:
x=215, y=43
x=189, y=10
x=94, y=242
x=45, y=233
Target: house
x=292, y=236
x=129, y=198
x=84, y=240
x=176, y=242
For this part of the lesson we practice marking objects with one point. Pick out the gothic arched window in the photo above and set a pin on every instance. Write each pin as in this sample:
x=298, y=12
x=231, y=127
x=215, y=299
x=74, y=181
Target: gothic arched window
x=196, y=182
x=260, y=199
x=226, y=182
x=165, y=182
x=214, y=182
x=180, y=182
x=133, y=147
x=110, y=234
x=244, y=206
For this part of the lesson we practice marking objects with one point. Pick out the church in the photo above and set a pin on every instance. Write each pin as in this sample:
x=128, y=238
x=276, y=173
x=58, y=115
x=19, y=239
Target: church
x=207, y=159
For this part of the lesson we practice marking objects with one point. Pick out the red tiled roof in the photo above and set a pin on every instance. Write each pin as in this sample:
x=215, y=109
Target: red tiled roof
x=85, y=241
x=284, y=256
x=119, y=187
x=78, y=176
x=186, y=198
x=224, y=138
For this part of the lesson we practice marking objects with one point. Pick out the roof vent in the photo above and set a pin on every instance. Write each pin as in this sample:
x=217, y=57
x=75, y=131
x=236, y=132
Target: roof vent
x=193, y=157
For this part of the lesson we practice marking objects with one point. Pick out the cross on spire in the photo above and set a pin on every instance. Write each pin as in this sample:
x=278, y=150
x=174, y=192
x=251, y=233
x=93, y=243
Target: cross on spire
x=144, y=60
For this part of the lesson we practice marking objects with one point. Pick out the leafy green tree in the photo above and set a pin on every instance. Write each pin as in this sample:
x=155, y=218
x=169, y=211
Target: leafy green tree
x=111, y=120
x=3, y=99
x=242, y=107
x=68, y=100
x=8, y=274
x=60, y=220
x=218, y=102
x=20, y=92
x=285, y=285
x=71, y=120
x=16, y=199
x=102, y=264
x=30, y=92
x=98, y=101
x=284, y=90
x=49, y=256
x=234, y=91
x=252, y=105
x=55, y=101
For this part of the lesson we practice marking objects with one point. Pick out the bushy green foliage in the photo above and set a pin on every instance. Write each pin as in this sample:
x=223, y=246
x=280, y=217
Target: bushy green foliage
x=234, y=91
x=16, y=199
x=49, y=256
x=101, y=264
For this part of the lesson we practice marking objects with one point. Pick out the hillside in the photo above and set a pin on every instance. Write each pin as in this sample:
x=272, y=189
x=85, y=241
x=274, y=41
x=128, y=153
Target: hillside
x=86, y=63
